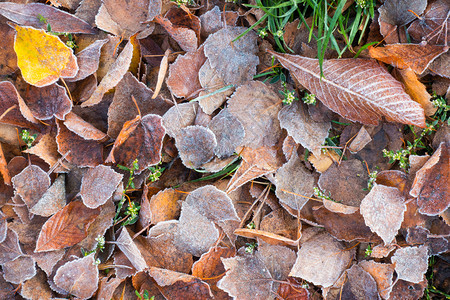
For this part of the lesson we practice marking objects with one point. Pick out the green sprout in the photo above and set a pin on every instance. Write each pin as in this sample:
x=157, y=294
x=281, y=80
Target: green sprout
x=372, y=179
x=130, y=184
x=144, y=296
x=251, y=225
x=70, y=43
x=27, y=138
x=183, y=2
x=309, y=99
x=133, y=213
x=442, y=109
x=155, y=173
x=100, y=246
x=319, y=194
x=289, y=96
x=262, y=32
x=250, y=247
x=368, y=251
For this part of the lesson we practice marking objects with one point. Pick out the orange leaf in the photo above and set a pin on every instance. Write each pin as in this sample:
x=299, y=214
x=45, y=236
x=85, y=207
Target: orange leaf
x=42, y=57
x=67, y=227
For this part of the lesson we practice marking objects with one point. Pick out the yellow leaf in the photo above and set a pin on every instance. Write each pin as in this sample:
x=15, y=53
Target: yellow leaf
x=42, y=57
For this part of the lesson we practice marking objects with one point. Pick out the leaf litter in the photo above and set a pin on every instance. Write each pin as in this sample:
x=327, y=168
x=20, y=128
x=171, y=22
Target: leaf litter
x=246, y=192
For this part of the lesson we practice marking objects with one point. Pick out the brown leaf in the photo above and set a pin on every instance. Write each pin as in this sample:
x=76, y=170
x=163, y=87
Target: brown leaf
x=183, y=79
x=229, y=133
x=67, y=227
x=78, y=277
x=9, y=106
x=302, y=128
x=210, y=267
x=407, y=290
x=141, y=139
x=382, y=273
x=293, y=290
x=179, y=117
x=359, y=285
x=28, y=15
x=195, y=145
x=407, y=56
x=257, y=276
x=383, y=209
x=411, y=263
x=123, y=109
x=31, y=184
x=88, y=60
x=131, y=251
x=360, y=140
x=345, y=227
x=10, y=248
x=394, y=178
x=3, y=167
x=398, y=12
x=185, y=37
x=256, y=106
x=235, y=62
x=82, y=128
x=294, y=183
x=83, y=153
x=174, y=285
x=430, y=185
x=432, y=23
x=37, y=287
x=47, y=260
x=165, y=205
x=8, y=65
x=321, y=260
x=125, y=18
x=98, y=185
x=52, y=200
x=115, y=73
x=19, y=270
x=355, y=89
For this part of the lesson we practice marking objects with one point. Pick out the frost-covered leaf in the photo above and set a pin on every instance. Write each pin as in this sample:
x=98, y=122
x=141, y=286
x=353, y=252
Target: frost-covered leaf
x=357, y=89
x=195, y=145
x=31, y=184
x=411, y=263
x=179, y=117
x=382, y=273
x=229, y=133
x=398, y=12
x=88, y=59
x=46, y=102
x=10, y=248
x=19, y=270
x=359, y=285
x=131, y=251
x=383, y=209
x=52, y=200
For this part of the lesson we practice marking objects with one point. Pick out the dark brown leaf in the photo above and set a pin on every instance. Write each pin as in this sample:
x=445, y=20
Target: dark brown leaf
x=185, y=37
x=356, y=89
x=46, y=102
x=359, y=285
x=9, y=106
x=67, y=227
x=398, y=12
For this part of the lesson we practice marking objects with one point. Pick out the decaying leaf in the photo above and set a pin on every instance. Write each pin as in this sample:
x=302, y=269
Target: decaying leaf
x=185, y=37
x=398, y=12
x=431, y=183
x=268, y=237
x=10, y=248
x=52, y=200
x=357, y=89
x=42, y=57
x=165, y=205
x=359, y=285
x=46, y=102
x=321, y=260
x=229, y=133
x=88, y=60
x=257, y=276
x=179, y=117
x=130, y=250
x=78, y=277
x=382, y=273
x=360, y=140
x=82, y=128
x=31, y=184
x=19, y=270
x=98, y=185
x=141, y=139
x=310, y=134
x=196, y=145
x=67, y=227
x=383, y=209
x=411, y=263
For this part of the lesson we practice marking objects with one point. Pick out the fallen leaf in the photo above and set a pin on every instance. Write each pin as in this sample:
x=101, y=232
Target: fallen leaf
x=36, y=287
x=394, y=178
x=82, y=128
x=131, y=251
x=77, y=150
x=78, y=277
x=407, y=290
x=183, y=78
x=382, y=273
x=185, y=37
x=123, y=109
x=383, y=209
x=382, y=250
x=195, y=145
x=141, y=139
x=88, y=60
x=10, y=248
x=98, y=185
x=430, y=185
x=28, y=15
x=66, y=228
x=256, y=106
x=48, y=102
x=115, y=73
x=229, y=133
x=125, y=18
x=359, y=285
x=8, y=65
x=398, y=12
x=411, y=263
x=175, y=285
x=42, y=57
x=3, y=167
x=302, y=128
x=165, y=205
x=294, y=183
x=236, y=61
x=19, y=270
x=52, y=200
x=416, y=57
x=323, y=161
x=268, y=237
x=348, y=92
x=179, y=116
x=257, y=276
x=31, y=184
x=47, y=260
x=360, y=140
x=432, y=23
x=441, y=66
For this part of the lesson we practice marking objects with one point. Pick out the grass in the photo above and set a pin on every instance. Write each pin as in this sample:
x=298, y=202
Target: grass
x=324, y=19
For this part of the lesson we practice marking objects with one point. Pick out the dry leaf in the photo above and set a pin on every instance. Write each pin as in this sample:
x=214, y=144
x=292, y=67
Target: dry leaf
x=302, y=128
x=78, y=277
x=10, y=248
x=48, y=102
x=52, y=200
x=229, y=133
x=88, y=60
x=195, y=145
x=82, y=128
x=411, y=263
x=257, y=276
x=360, y=140
x=98, y=185
x=42, y=57
x=141, y=139
x=19, y=270
x=383, y=209
x=31, y=184
x=398, y=12
x=185, y=37
x=165, y=205
x=8, y=65
x=359, y=285
x=431, y=183
x=321, y=260
x=407, y=290
x=37, y=287
x=179, y=116
x=67, y=227
x=115, y=73
x=256, y=106
x=29, y=15
x=131, y=251
x=268, y=237
x=345, y=89
x=382, y=273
